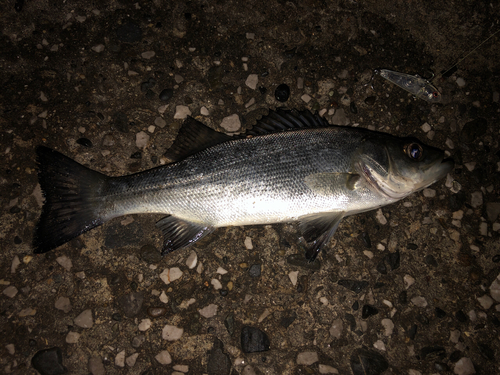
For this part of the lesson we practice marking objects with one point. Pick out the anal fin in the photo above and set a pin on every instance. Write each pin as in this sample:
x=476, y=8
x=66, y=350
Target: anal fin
x=317, y=230
x=179, y=233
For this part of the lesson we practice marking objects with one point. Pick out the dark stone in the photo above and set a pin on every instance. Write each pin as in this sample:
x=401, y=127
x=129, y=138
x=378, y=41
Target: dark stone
x=121, y=122
x=403, y=297
x=288, y=320
x=166, y=94
x=442, y=367
x=353, y=108
x=473, y=130
x=229, y=323
x=370, y=100
x=265, y=74
x=214, y=77
x=431, y=261
x=351, y=320
x=300, y=260
x=149, y=84
x=255, y=270
x=496, y=258
x=136, y=155
x=378, y=285
x=412, y=332
x=18, y=240
x=150, y=254
x=262, y=90
x=131, y=303
x=150, y=94
x=49, y=362
x=368, y=310
x=116, y=317
x=455, y=356
x=129, y=33
x=461, y=317
x=365, y=239
x=138, y=340
x=368, y=362
x=381, y=267
x=412, y=246
x=282, y=93
x=434, y=352
x=223, y=292
x=84, y=142
x=393, y=259
x=486, y=351
x=18, y=5
x=355, y=306
x=219, y=362
x=254, y=340
x=354, y=285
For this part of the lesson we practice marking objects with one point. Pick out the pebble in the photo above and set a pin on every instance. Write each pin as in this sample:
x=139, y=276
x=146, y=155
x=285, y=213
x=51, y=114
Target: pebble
x=27, y=312
x=150, y=254
x=460, y=82
x=364, y=361
x=380, y=217
x=208, y=311
x=248, y=243
x=218, y=361
x=148, y=55
x=192, y=260
x=353, y=285
x=216, y=284
x=492, y=210
x=170, y=275
x=144, y=325
x=120, y=359
x=64, y=262
x=182, y=112
x=336, y=329
x=388, y=326
x=254, y=340
x=307, y=358
x=282, y=93
x=476, y=199
x=306, y=98
x=95, y=366
x=84, y=320
x=181, y=368
x=408, y=280
x=368, y=310
x=15, y=263
x=464, y=366
x=172, y=333
x=419, y=301
x=425, y=127
x=379, y=344
x=293, y=275
x=164, y=357
x=166, y=95
x=160, y=122
x=255, y=270
x=138, y=340
x=429, y=193
x=231, y=123
x=204, y=111
x=131, y=303
x=98, y=48
x=11, y=349
x=131, y=359
x=141, y=139
x=64, y=304
x=221, y=271
x=84, y=142
x=495, y=289
x=72, y=337
x=325, y=369
x=49, y=362
x=340, y=118
x=178, y=78
x=10, y=291
x=252, y=81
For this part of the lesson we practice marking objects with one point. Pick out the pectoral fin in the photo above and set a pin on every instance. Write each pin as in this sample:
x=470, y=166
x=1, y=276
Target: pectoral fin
x=331, y=183
x=178, y=233
x=317, y=230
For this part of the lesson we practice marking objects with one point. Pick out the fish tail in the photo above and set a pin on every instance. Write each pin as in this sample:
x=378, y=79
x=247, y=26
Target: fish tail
x=71, y=206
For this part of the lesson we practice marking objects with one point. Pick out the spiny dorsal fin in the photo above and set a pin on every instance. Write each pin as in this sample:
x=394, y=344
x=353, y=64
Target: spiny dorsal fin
x=284, y=120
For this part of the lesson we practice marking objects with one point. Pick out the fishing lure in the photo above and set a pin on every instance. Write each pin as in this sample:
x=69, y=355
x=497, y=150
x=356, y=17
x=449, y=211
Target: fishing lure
x=416, y=85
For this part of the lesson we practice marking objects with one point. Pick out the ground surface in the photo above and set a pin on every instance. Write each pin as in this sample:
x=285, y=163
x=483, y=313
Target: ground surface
x=80, y=77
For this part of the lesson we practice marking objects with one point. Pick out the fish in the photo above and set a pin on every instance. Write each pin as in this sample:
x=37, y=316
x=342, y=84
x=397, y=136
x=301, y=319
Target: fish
x=292, y=166
x=414, y=84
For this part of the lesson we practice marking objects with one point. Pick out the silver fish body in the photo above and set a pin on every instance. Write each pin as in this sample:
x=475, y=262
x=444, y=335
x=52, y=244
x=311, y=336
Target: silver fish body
x=314, y=175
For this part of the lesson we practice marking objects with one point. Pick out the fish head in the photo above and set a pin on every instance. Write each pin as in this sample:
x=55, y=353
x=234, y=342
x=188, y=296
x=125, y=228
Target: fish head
x=397, y=167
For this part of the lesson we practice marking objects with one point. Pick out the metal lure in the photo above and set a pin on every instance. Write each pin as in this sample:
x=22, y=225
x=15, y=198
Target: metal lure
x=416, y=85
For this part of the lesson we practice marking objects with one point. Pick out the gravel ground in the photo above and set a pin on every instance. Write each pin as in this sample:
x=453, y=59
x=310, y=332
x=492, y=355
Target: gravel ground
x=413, y=288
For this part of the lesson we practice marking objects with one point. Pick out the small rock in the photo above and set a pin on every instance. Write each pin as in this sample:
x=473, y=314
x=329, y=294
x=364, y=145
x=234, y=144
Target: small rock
x=131, y=303
x=72, y=337
x=98, y=48
x=485, y=301
x=252, y=81
x=231, y=123
x=388, y=326
x=492, y=210
x=138, y=340
x=255, y=270
x=172, y=333
x=164, y=357
x=182, y=112
x=429, y=193
x=160, y=122
x=208, y=311
x=15, y=263
x=408, y=280
x=218, y=361
x=354, y=285
x=192, y=260
x=307, y=358
x=10, y=291
x=204, y=111
x=95, y=366
x=306, y=98
x=368, y=310
x=460, y=82
x=325, y=369
x=364, y=361
x=170, y=275
x=148, y=55
x=254, y=340
x=131, y=359
x=141, y=139
x=293, y=275
x=282, y=93
x=380, y=217
x=464, y=366
x=144, y=325
x=336, y=328
x=419, y=301
x=120, y=359
x=85, y=319
x=49, y=362
x=476, y=199
x=64, y=262
x=166, y=95
x=64, y=304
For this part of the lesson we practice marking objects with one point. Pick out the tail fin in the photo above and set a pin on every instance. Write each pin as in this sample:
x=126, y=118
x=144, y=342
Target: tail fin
x=70, y=207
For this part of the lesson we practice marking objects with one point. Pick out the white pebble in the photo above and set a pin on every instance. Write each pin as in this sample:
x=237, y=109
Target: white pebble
x=178, y=78
x=379, y=344
x=144, y=325
x=248, y=243
x=64, y=304
x=15, y=263
x=380, y=217
x=181, y=112
x=221, y=271
x=64, y=262
x=483, y=229
x=408, y=280
x=336, y=329
x=306, y=98
x=470, y=166
x=368, y=253
x=231, y=123
x=163, y=297
x=388, y=326
x=460, y=82
x=11, y=349
x=120, y=359
x=495, y=289
x=300, y=83
x=148, y=55
x=171, y=274
x=431, y=134
x=159, y=121
x=293, y=275
x=10, y=291
x=85, y=319
x=131, y=359
x=485, y=301
x=307, y=358
x=171, y=333
x=208, y=311
x=325, y=369
x=192, y=260
x=181, y=368
x=216, y=284
x=425, y=127
x=414, y=372
x=419, y=301
x=450, y=143
x=141, y=139
x=476, y=199
x=164, y=357
x=43, y=97
x=429, y=193
x=464, y=366
x=151, y=129
x=204, y=111
x=98, y=48
x=458, y=215
x=72, y=337
x=455, y=336
x=252, y=81
x=250, y=103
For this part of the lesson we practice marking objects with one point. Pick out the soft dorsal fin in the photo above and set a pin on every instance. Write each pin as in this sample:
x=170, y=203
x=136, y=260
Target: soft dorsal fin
x=193, y=137
x=283, y=120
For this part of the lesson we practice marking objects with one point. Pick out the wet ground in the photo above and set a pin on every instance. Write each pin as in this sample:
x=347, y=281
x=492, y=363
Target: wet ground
x=411, y=289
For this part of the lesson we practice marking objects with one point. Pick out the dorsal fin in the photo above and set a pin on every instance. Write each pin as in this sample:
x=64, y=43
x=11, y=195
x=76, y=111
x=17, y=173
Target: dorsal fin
x=284, y=120
x=193, y=137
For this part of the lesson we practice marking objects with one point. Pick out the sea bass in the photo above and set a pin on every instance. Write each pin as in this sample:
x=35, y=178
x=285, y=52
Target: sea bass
x=292, y=166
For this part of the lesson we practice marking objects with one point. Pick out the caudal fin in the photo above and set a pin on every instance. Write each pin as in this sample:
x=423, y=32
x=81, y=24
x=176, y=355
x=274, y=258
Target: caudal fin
x=71, y=194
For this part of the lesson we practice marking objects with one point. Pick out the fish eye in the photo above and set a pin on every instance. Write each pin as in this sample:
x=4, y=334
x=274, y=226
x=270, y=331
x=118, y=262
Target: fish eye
x=435, y=94
x=414, y=151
